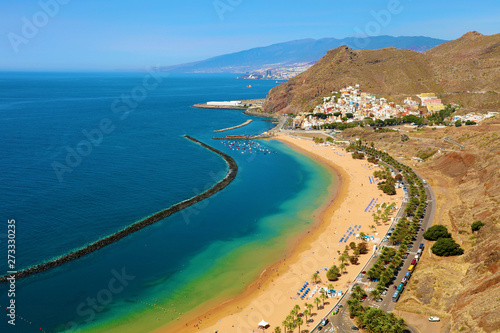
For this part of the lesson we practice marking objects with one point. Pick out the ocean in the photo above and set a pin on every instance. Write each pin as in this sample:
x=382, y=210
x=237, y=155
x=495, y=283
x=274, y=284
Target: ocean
x=87, y=154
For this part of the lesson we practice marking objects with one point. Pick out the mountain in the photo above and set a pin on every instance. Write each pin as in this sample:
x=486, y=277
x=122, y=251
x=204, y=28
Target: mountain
x=298, y=51
x=465, y=71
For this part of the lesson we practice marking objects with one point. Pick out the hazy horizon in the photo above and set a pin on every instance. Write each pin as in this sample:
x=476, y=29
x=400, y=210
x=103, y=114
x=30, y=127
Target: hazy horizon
x=68, y=35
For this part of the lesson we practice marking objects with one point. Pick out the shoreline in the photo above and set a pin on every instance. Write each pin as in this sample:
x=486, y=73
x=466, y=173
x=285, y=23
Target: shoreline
x=259, y=300
x=226, y=307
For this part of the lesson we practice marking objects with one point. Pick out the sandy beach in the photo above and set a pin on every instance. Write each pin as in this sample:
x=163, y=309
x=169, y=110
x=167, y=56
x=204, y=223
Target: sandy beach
x=274, y=294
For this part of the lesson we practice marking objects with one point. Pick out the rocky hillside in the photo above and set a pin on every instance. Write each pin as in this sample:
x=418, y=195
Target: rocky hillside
x=464, y=291
x=466, y=71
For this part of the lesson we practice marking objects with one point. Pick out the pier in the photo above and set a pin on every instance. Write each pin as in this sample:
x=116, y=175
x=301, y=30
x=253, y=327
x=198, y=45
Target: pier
x=234, y=127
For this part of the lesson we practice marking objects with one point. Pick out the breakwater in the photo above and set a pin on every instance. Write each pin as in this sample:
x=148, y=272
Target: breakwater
x=230, y=176
x=234, y=127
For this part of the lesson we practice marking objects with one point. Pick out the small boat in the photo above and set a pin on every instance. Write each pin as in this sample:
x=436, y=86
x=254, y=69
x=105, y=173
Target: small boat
x=249, y=86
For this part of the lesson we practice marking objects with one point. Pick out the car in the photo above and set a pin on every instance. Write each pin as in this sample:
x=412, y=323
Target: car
x=378, y=300
x=354, y=328
x=324, y=322
x=384, y=292
x=320, y=328
x=433, y=318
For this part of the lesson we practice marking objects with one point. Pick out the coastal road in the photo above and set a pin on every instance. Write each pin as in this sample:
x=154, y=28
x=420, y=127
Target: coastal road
x=341, y=323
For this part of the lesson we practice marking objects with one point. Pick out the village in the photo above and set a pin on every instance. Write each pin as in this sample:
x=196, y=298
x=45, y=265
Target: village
x=352, y=105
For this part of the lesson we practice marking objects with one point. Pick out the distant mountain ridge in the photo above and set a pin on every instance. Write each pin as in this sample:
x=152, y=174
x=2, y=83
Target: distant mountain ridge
x=464, y=71
x=298, y=51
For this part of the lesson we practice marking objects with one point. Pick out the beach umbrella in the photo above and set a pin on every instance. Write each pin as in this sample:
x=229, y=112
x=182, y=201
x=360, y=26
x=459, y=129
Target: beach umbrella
x=263, y=323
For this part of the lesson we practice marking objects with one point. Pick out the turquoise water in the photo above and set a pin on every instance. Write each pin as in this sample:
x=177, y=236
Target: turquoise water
x=139, y=167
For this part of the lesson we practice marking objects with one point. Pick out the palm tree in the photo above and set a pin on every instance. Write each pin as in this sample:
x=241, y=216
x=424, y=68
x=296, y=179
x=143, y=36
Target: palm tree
x=284, y=323
x=317, y=301
x=342, y=267
x=291, y=326
x=375, y=294
x=296, y=308
x=299, y=322
x=358, y=290
x=293, y=313
x=323, y=297
x=343, y=258
x=306, y=314
x=277, y=329
x=309, y=307
x=315, y=278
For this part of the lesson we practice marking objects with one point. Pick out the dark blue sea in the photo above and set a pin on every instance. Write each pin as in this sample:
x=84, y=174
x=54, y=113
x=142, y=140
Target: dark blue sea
x=84, y=155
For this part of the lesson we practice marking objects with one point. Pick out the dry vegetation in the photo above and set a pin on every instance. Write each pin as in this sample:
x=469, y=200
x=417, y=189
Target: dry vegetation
x=464, y=290
x=465, y=71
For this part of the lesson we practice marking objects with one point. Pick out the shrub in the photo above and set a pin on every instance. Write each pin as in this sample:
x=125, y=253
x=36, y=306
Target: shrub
x=436, y=232
x=477, y=225
x=458, y=123
x=389, y=189
x=358, y=156
x=446, y=247
x=363, y=248
x=333, y=273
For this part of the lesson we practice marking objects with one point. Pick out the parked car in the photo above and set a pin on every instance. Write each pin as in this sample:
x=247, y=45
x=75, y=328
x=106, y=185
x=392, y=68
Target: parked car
x=324, y=321
x=433, y=318
x=354, y=328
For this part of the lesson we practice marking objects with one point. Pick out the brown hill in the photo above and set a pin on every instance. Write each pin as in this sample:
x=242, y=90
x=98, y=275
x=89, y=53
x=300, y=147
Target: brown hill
x=465, y=290
x=466, y=71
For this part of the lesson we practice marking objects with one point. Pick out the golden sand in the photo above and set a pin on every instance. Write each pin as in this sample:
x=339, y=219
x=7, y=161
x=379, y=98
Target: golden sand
x=274, y=294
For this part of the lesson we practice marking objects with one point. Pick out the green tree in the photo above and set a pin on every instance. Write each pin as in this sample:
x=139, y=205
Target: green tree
x=477, y=225
x=315, y=278
x=323, y=296
x=333, y=273
x=352, y=245
x=446, y=247
x=435, y=232
x=317, y=301
x=306, y=314
x=458, y=123
x=298, y=322
x=277, y=329
x=309, y=307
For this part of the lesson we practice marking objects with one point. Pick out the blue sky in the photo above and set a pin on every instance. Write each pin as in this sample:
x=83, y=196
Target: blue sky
x=129, y=35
